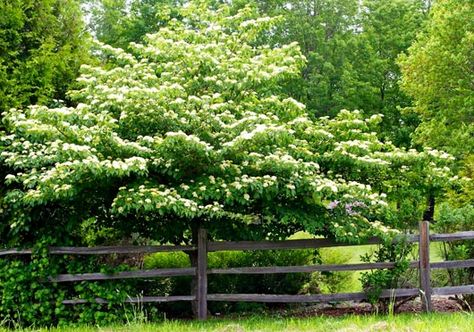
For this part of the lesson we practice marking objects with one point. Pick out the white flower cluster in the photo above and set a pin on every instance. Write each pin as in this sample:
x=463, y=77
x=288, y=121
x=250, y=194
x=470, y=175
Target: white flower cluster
x=192, y=112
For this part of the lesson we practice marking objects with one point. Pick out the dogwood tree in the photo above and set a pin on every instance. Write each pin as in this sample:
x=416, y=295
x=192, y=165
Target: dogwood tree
x=190, y=130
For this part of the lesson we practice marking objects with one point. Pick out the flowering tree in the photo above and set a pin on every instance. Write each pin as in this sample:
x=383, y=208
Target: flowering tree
x=190, y=130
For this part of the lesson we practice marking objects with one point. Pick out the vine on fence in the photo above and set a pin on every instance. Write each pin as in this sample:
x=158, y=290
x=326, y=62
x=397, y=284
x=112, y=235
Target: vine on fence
x=28, y=298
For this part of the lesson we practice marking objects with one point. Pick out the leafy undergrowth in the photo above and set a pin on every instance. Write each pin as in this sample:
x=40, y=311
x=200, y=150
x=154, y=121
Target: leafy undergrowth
x=404, y=322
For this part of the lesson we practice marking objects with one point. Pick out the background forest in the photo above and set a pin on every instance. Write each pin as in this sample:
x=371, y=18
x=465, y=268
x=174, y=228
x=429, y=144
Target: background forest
x=357, y=113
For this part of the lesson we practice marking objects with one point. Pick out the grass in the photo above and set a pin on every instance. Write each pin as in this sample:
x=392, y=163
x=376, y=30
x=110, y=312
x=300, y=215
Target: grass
x=406, y=322
x=355, y=252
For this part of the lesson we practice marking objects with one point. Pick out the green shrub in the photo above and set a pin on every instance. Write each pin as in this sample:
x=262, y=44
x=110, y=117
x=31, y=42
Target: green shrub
x=290, y=283
x=451, y=219
x=165, y=286
x=375, y=281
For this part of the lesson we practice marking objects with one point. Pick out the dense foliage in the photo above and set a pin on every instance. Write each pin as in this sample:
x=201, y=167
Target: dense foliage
x=188, y=131
x=351, y=48
x=438, y=72
x=216, y=116
x=42, y=45
x=28, y=299
x=119, y=22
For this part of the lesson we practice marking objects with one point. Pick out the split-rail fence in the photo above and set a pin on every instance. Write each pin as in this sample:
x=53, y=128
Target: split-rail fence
x=201, y=297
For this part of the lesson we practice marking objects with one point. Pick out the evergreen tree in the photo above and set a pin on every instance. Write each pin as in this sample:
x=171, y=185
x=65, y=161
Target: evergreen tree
x=42, y=45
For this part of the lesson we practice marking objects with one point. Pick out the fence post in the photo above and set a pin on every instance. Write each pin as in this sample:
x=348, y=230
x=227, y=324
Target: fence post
x=425, y=269
x=201, y=270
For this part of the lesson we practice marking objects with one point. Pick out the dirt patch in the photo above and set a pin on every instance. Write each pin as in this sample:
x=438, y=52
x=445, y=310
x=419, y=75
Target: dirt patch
x=440, y=304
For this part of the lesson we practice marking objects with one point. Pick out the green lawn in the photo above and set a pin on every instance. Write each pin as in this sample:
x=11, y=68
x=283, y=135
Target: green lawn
x=355, y=252
x=414, y=322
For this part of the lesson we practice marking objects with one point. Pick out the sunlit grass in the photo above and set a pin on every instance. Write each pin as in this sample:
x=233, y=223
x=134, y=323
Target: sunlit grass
x=405, y=322
x=356, y=252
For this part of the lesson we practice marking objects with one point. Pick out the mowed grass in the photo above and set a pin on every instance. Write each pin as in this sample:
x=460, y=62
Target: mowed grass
x=355, y=253
x=406, y=322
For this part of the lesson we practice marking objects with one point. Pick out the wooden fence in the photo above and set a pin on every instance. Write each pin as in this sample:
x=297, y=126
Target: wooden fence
x=200, y=295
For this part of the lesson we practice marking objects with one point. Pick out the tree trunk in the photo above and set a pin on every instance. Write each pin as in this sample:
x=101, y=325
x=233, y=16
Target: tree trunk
x=429, y=212
x=198, y=260
x=193, y=258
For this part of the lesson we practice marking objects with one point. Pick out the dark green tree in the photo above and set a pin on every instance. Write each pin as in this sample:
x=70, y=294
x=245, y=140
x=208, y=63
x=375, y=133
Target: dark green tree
x=42, y=45
x=120, y=22
x=325, y=32
x=351, y=48
x=387, y=28
x=438, y=72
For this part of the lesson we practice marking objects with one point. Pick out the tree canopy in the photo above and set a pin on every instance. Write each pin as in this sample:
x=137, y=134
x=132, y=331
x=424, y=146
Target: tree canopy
x=42, y=45
x=191, y=129
x=438, y=73
x=120, y=22
x=351, y=49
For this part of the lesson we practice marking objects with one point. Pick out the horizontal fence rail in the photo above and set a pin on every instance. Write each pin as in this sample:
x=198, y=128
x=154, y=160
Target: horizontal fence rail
x=277, y=298
x=252, y=270
x=468, y=235
x=307, y=268
x=125, y=275
x=279, y=245
x=232, y=245
x=101, y=250
x=142, y=299
x=200, y=272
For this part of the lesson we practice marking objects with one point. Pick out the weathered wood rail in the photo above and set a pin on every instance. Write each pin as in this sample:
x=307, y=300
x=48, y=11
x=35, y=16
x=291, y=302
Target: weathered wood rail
x=200, y=295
